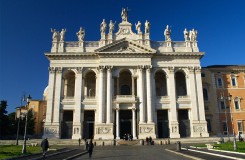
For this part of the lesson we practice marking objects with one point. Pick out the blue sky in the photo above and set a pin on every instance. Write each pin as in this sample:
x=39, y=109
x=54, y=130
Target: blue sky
x=25, y=33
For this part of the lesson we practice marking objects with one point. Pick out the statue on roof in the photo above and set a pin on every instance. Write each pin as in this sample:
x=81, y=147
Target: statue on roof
x=147, y=27
x=193, y=35
x=167, y=33
x=186, y=34
x=124, y=15
x=111, y=26
x=138, y=27
x=55, y=35
x=62, y=34
x=81, y=34
x=103, y=26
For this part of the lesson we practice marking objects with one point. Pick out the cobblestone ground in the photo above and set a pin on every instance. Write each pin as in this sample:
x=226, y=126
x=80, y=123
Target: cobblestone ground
x=132, y=153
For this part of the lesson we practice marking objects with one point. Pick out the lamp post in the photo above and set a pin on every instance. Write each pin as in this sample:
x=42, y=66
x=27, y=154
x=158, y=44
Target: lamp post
x=227, y=128
x=17, y=138
x=28, y=99
x=234, y=136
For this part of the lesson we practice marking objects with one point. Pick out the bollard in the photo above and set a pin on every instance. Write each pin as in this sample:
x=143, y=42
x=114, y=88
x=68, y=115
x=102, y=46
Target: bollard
x=168, y=141
x=178, y=147
x=160, y=142
x=165, y=142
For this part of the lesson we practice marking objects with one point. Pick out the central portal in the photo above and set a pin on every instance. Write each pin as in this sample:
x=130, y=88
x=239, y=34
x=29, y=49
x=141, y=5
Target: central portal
x=125, y=122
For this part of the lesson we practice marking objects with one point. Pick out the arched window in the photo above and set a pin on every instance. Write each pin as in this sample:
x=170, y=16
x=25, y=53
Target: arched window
x=161, y=84
x=205, y=94
x=90, y=84
x=69, y=84
x=180, y=83
x=125, y=82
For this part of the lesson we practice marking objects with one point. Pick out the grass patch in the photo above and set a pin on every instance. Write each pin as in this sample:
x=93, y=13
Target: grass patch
x=8, y=151
x=203, y=145
x=230, y=146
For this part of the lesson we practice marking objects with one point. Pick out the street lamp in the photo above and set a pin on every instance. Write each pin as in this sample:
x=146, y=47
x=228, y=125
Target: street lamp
x=17, y=138
x=28, y=99
x=234, y=136
x=227, y=128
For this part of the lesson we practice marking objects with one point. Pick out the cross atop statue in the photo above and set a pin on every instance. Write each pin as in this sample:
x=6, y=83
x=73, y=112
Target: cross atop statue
x=124, y=15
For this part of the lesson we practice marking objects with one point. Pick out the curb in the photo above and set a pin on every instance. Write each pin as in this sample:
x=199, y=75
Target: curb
x=76, y=155
x=188, y=156
x=227, y=151
x=52, y=155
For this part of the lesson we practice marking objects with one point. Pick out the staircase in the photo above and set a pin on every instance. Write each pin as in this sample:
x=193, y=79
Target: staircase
x=128, y=143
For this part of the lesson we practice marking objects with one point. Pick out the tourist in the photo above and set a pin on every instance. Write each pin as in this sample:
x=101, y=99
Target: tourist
x=79, y=141
x=90, y=148
x=150, y=140
x=147, y=140
x=45, y=146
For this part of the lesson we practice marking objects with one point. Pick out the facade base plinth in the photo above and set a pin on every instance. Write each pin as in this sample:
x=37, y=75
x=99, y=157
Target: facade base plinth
x=103, y=131
x=199, y=129
x=147, y=130
x=52, y=131
x=77, y=131
x=174, y=129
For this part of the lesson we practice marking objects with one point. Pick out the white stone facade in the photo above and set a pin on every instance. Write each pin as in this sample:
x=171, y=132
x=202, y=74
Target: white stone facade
x=125, y=71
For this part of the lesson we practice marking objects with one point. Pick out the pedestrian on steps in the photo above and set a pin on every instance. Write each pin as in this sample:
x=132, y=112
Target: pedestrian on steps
x=90, y=148
x=45, y=146
x=79, y=141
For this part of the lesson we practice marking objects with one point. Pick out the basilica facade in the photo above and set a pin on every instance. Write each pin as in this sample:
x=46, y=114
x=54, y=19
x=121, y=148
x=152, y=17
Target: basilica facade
x=125, y=84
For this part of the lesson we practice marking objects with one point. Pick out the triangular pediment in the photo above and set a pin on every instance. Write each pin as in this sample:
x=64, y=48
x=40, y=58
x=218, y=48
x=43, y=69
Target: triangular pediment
x=125, y=46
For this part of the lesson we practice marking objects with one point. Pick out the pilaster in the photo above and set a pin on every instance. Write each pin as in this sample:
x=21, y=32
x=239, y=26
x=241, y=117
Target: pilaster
x=101, y=94
x=141, y=95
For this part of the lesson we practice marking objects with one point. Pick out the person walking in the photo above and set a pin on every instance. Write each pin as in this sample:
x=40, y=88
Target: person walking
x=45, y=146
x=150, y=140
x=79, y=141
x=90, y=148
x=147, y=140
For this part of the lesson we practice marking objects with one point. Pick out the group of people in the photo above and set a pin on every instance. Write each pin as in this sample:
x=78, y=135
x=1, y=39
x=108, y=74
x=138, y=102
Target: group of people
x=87, y=146
x=127, y=137
x=149, y=141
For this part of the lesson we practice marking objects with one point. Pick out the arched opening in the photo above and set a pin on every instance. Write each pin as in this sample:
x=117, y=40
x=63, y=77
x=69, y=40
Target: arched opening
x=161, y=84
x=90, y=84
x=69, y=84
x=180, y=83
x=125, y=82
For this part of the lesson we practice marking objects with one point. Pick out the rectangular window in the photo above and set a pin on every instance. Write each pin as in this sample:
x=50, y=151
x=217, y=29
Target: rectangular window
x=237, y=106
x=206, y=108
x=224, y=126
x=220, y=82
x=239, y=127
x=233, y=82
x=203, y=75
x=222, y=105
x=32, y=106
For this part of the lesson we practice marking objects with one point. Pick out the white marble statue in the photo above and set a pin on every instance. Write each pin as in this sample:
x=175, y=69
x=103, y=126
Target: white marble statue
x=62, y=34
x=186, y=34
x=111, y=27
x=193, y=35
x=124, y=15
x=81, y=34
x=147, y=27
x=103, y=26
x=55, y=34
x=138, y=27
x=167, y=33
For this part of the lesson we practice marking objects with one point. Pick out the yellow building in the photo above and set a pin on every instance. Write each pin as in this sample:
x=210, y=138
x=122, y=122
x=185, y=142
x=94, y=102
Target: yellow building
x=209, y=103
x=229, y=97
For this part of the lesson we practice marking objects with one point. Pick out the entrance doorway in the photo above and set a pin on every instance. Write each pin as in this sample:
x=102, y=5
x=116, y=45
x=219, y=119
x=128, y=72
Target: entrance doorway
x=125, y=122
x=67, y=124
x=184, y=123
x=88, y=124
x=162, y=123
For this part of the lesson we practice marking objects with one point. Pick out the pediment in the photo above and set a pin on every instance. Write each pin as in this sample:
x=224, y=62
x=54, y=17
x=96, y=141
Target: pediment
x=125, y=46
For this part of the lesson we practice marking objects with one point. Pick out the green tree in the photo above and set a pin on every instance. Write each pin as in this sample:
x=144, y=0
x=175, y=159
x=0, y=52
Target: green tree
x=30, y=123
x=12, y=124
x=3, y=119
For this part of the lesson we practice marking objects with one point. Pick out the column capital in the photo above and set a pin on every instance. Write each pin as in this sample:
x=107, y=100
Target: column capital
x=51, y=69
x=148, y=67
x=108, y=67
x=198, y=69
x=79, y=70
x=140, y=67
x=101, y=68
x=59, y=69
x=134, y=109
x=171, y=69
x=191, y=69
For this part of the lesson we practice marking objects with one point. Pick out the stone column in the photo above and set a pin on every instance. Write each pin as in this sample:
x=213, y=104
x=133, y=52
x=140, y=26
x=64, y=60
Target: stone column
x=134, y=122
x=202, y=118
x=173, y=123
x=77, y=121
x=57, y=97
x=109, y=95
x=101, y=93
x=133, y=86
x=49, y=114
x=141, y=94
x=149, y=94
x=117, y=124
